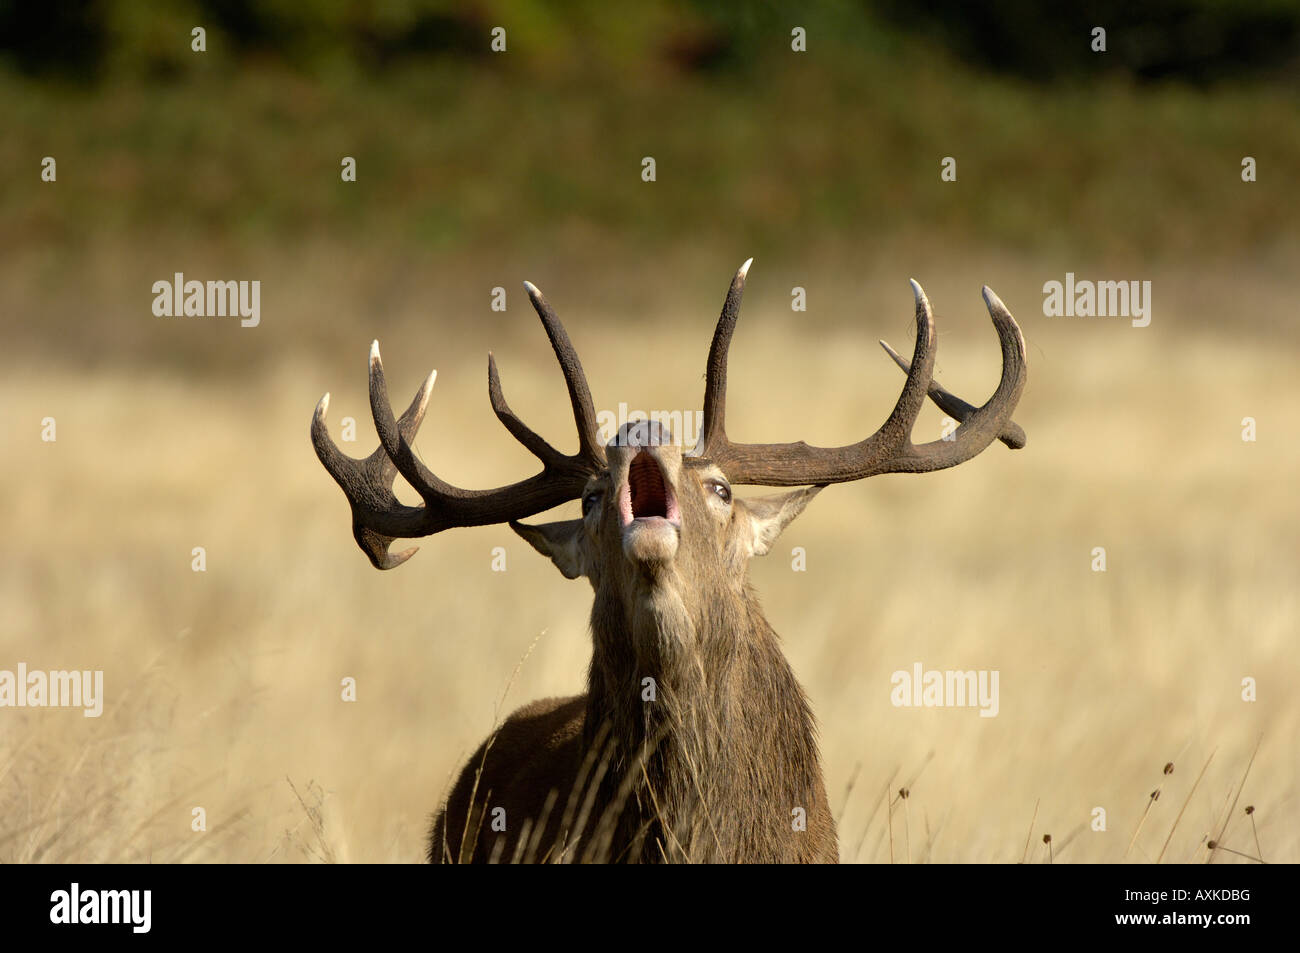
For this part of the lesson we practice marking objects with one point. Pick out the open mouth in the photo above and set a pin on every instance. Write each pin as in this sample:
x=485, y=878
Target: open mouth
x=646, y=495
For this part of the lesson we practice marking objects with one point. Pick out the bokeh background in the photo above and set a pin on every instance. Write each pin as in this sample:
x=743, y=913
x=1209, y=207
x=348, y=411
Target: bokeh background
x=478, y=169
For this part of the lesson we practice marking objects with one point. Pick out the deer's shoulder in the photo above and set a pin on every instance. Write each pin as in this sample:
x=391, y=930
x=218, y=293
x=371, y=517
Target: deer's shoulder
x=535, y=751
x=545, y=728
x=548, y=723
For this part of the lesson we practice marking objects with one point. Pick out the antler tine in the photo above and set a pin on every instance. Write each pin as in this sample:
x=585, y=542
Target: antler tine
x=395, y=443
x=713, y=434
x=518, y=429
x=378, y=517
x=1012, y=434
x=992, y=421
x=889, y=449
x=897, y=429
x=584, y=411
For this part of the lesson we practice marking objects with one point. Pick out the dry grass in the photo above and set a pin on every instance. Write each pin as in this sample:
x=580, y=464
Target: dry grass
x=220, y=685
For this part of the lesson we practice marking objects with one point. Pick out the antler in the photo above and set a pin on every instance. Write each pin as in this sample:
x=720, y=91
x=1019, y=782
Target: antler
x=889, y=449
x=379, y=518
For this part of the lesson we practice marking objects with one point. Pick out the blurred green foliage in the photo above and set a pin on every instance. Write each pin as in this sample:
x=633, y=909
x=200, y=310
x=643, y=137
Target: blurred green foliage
x=1195, y=40
x=1127, y=153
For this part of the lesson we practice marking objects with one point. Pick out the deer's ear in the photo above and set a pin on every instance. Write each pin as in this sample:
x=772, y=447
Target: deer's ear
x=563, y=542
x=769, y=515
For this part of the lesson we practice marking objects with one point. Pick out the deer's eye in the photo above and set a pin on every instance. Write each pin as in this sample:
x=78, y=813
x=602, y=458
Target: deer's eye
x=590, y=501
x=721, y=489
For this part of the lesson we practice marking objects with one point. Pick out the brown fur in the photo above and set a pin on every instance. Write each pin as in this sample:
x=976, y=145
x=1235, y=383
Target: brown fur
x=718, y=767
x=694, y=741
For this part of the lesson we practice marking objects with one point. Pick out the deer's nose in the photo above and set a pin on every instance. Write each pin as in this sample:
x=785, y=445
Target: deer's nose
x=642, y=433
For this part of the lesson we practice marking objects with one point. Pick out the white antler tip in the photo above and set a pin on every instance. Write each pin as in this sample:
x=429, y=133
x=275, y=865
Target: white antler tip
x=744, y=269
x=374, y=352
x=323, y=406
x=426, y=391
x=531, y=289
x=992, y=300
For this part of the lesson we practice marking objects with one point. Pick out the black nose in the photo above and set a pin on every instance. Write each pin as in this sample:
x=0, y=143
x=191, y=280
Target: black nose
x=642, y=433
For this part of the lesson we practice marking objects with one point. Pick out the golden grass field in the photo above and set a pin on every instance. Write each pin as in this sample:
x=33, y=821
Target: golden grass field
x=223, y=687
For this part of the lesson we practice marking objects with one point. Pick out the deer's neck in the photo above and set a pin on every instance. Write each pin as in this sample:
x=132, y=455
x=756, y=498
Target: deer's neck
x=709, y=736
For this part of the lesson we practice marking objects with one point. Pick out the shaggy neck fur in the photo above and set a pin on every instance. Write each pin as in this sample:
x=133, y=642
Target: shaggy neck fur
x=707, y=762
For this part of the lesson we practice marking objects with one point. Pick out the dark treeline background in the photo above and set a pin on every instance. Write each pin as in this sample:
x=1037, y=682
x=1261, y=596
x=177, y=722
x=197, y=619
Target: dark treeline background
x=481, y=164
x=1200, y=41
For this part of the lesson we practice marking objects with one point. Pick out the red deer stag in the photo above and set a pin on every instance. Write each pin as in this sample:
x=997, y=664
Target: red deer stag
x=694, y=741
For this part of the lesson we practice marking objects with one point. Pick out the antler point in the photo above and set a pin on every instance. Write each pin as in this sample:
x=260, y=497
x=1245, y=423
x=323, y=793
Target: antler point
x=990, y=299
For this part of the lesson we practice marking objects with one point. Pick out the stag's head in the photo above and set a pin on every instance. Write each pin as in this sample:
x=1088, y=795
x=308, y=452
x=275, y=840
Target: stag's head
x=655, y=518
x=657, y=521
